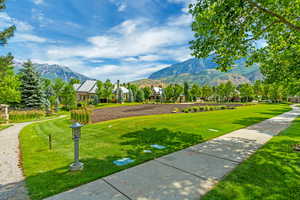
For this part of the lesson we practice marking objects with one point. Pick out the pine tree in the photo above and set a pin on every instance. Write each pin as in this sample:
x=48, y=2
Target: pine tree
x=120, y=95
x=8, y=32
x=32, y=94
x=186, y=91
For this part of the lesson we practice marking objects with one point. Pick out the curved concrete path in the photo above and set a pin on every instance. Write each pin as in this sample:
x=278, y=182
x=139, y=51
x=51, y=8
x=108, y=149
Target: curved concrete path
x=12, y=186
x=184, y=175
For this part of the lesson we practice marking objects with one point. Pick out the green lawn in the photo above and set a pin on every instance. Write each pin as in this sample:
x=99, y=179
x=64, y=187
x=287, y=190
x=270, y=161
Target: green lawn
x=272, y=173
x=47, y=171
x=2, y=127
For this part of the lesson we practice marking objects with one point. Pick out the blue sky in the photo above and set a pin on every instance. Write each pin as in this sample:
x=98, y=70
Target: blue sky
x=115, y=39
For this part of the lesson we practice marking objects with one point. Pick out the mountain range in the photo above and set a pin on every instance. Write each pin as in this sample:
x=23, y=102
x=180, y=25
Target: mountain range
x=203, y=71
x=55, y=71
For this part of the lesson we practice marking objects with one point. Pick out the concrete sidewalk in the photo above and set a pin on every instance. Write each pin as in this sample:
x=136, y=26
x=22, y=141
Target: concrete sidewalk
x=187, y=174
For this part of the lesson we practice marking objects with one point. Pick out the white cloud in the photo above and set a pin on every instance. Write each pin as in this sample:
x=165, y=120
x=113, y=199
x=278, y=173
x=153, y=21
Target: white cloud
x=23, y=37
x=120, y=4
x=129, y=39
x=24, y=32
x=122, y=7
x=39, y=17
x=6, y=20
x=150, y=58
x=38, y=2
x=185, y=19
x=123, y=72
x=186, y=4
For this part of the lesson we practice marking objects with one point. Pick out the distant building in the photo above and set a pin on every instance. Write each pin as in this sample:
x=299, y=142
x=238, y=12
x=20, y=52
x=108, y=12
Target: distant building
x=87, y=90
x=156, y=93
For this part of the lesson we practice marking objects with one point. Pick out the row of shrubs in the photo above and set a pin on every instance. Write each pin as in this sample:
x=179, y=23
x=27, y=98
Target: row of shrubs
x=20, y=115
x=205, y=108
x=81, y=115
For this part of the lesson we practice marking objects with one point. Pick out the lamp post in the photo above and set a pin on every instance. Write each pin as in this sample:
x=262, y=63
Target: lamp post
x=76, y=129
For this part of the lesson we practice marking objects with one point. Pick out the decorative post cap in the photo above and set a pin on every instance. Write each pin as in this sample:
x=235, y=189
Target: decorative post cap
x=76, y=125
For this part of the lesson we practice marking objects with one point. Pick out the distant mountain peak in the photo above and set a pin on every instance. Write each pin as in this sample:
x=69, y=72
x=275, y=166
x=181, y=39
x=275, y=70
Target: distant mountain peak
x=203, y=71
x=53, y=71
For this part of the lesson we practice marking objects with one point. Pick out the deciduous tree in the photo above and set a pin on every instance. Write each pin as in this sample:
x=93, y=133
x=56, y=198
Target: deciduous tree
x=264, y=32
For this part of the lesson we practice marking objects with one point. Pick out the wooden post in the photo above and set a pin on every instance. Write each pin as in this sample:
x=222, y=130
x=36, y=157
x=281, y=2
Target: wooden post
x=50, y=141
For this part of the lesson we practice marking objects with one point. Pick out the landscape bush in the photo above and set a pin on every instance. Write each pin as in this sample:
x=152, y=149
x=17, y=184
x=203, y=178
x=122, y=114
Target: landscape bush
x=175, y=110
x=82, y=115
x=205, y=108
x=23, y=115
x=2, y=120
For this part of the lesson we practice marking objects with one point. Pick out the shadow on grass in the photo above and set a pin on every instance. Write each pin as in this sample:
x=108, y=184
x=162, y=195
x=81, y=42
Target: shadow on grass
x=58, y=180
x=247, y=121
x=142, y=139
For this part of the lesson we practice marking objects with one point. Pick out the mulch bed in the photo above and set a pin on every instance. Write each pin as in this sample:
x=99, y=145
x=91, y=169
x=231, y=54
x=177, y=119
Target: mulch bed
x=105, y=114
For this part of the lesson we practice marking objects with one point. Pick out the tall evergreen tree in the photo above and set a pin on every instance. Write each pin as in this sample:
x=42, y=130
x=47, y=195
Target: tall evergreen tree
x=32, y=95
x=130, y=96
x=186, y=91
x=120, y=96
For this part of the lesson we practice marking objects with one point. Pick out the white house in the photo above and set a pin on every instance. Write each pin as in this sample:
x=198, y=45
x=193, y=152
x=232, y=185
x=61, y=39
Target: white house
x=86, y=90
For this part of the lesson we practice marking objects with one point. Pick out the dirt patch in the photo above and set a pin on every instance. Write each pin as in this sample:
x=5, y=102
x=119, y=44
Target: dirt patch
x=105, y=114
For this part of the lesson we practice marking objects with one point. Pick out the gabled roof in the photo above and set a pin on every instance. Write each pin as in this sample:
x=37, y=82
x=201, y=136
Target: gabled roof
x=123, y=89
x=89, y=86
x=157, y=90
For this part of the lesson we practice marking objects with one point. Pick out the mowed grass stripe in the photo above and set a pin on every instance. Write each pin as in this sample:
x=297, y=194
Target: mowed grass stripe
x=47, y=172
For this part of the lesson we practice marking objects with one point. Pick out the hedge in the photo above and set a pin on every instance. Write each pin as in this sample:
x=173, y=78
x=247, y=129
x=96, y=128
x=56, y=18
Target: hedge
x=205, y=108
x=22, y=115
x=82, y=115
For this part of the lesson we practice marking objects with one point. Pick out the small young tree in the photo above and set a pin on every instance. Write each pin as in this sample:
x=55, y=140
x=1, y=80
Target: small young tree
x=49, y=92
x=229, y=89
x=195, y=92
x=107, y=90
x=177, y=92
x=9, y=82
x=147, y=92
x=58, y=87
x=140, y=96
x=69, y=97
x=246, y=92
x=100, y=90
x=32, y=94
x=134, y=88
